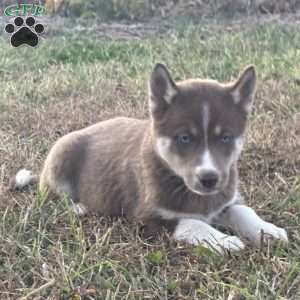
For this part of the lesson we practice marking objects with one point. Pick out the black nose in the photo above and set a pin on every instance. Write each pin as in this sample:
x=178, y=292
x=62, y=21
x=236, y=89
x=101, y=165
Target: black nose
x=209, y=180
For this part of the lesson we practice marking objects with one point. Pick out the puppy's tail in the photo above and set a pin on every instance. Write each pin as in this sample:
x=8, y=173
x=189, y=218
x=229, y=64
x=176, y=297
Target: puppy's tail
x=22, y=179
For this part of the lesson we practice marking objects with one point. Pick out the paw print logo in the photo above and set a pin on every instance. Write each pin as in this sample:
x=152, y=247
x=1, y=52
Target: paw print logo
x=24, y=32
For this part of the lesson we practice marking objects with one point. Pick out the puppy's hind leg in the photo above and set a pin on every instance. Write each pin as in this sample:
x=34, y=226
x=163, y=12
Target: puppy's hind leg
x=51, y=186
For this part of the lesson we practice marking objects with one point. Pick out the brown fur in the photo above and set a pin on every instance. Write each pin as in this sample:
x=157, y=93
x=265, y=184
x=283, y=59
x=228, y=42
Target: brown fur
x=113, y=169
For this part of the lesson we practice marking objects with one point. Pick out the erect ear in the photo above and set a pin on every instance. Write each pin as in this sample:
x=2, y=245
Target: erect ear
x=162, y=89
x=243, y=90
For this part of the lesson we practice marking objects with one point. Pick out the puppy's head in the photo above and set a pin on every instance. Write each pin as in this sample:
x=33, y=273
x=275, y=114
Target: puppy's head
x=198, y=126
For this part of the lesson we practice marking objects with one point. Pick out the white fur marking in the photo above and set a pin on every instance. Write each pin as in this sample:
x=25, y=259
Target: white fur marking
x=247, y=223
x=207, y=163
x=23, y=178
x=198, y=232
x=79, y=209
x=218, y=130
x=239, y=143
x=205, y=118
x=236, y=96
x=162, y=148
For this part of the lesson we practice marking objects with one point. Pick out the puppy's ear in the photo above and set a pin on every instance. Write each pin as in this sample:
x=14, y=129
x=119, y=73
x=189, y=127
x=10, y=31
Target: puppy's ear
x=243, y=90
x=162, y=90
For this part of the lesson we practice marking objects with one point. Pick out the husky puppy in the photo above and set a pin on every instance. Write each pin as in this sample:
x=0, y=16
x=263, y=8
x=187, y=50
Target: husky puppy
x=177, y=170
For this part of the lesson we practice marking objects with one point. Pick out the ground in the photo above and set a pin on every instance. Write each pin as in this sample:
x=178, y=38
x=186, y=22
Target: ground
x=85, y=73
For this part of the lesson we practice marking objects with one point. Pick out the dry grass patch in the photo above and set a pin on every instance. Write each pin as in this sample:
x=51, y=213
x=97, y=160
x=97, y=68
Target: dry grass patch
x=48, y=253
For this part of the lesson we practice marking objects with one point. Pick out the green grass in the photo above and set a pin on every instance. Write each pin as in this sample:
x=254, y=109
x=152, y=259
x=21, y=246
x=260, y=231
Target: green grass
x=195, y=52
x=71, y=81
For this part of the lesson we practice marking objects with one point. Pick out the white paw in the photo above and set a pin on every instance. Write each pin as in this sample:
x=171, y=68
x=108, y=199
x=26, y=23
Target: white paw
x=268, y=231
x=225, y=244
x=197, y=232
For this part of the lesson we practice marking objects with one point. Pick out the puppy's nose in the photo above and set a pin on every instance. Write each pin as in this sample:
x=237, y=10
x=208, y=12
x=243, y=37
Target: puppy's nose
x=209, y=180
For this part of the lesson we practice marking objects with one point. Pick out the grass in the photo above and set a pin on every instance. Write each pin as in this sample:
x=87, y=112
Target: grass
x=70, y=81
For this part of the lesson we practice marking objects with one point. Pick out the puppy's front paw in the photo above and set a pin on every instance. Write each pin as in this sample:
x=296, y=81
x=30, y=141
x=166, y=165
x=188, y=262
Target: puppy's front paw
x=268, y=231
x=226, y=244
x=197, y=232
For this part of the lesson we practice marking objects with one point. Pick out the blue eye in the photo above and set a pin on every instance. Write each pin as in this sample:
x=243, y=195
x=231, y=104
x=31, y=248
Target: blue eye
x=226, y=138
x=183, y=138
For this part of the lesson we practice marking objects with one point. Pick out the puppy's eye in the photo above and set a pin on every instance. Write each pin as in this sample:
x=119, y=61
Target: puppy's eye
x=183, y=139
x=226, y=138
